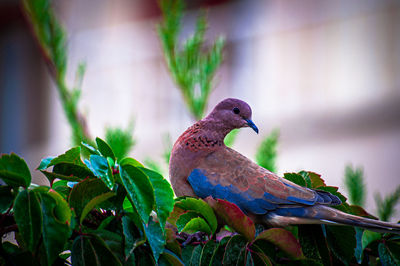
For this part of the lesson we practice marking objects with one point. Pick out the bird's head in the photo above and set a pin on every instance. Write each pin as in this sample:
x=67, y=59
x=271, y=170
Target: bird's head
x=233, y=113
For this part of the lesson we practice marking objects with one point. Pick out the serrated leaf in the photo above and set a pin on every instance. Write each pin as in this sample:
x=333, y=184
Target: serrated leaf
x=140, y=190
x=100, y=167
x=72, y=156
x=200, y=206
x=313, y=180
x=55, y=231
x=92, y=250
x=233, y=251
x=283, y=239
x=14, y=171
x=164, y=195
x=28, y=216
x=6, y=198
x=83, y=192
x=234, y=217
x=94, y=202
x=104, y=148
x=295, y=178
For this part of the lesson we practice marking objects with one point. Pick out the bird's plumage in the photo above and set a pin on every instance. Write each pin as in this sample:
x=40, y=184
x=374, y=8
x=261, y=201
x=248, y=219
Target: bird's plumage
x=201, y=165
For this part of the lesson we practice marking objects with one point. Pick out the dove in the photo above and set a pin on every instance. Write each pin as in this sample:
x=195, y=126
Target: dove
x=202, y=166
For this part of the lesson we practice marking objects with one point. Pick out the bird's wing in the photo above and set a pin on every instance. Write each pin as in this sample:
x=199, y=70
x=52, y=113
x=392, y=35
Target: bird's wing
x=226, y=174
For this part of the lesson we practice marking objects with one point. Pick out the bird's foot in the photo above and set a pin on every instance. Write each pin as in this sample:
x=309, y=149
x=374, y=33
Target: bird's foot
x=191, y=238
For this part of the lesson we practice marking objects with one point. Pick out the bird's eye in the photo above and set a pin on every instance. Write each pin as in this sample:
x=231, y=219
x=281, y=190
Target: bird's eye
x=236, y=110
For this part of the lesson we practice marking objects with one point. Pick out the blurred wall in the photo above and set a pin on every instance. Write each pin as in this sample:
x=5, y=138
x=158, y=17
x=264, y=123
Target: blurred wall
x=326, y=73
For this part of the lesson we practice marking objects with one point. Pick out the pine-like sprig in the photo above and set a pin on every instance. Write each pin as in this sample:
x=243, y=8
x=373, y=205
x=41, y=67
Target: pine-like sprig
x=266, y=152
x=386, y=207
x=355, y=186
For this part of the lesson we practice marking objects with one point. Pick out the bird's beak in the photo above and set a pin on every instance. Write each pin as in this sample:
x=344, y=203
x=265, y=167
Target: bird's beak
x=252, y=125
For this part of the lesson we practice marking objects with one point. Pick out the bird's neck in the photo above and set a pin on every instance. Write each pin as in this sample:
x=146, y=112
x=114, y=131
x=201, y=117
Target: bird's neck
x=208, y=132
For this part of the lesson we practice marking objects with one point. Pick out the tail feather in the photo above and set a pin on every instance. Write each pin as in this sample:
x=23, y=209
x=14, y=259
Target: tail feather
x=326, y=215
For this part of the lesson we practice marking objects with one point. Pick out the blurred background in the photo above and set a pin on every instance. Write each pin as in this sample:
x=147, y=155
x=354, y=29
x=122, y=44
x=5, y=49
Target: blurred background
x=325, y=73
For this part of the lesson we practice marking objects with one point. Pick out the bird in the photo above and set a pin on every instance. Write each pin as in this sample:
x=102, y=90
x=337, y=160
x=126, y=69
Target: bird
x=202, y=166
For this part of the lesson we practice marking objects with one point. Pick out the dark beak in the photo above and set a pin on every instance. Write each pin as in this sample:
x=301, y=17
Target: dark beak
x=252, y=125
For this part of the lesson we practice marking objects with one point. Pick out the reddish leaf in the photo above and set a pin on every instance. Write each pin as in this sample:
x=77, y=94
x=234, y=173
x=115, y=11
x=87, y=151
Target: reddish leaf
x=234, y=217
x=316, y=180
x=283, y=239
x=358, y=210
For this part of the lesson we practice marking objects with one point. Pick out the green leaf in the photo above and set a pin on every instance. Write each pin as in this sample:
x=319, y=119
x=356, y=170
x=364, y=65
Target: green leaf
x=313, y=180
x=55, y=231
x=313, y=243
x=102, y=170
x=234, y=251
x=83, y=192
x=104, y=148
x=131, y=235
x=195, y=256
x=368, y=237
x=45, y=162
x=27, y=214
x=94, y=202
x=6, y=198
x=185, y=218
x=130, y=161
x=164, y=195
x=155, y=237
x=92, y=250
x=72, y=156
x=386, y=256
x=342, y=242
x=139, y=188
x=207, y=252
x=295, y=178
x=284, y=240
x=170, y=258
x=61, y=211
x=62, y=188
x=52, y=176
x=233, y=216
x=90, y=148
x=200, y=206
x=219, y=252
x=196, y=225
x=14, y=171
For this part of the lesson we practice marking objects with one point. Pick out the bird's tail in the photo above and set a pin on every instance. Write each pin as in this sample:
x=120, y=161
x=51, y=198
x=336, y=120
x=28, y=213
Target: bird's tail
x=326, y=215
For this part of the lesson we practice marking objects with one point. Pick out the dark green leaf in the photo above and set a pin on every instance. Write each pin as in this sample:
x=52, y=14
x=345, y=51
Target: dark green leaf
x=195, y=256
x=295, y=178
x=313, y=180
x=113, y=241
x=233, y=216
x=368, y=237
x=61, y=211
x=52, y=176
x=284, y=240
x=83, y=192
x=6, y=198
x=342, y=242
x=386, y=256
x=207, y=252
x=92, y=250
x=27, y=214
x=101, y=169
x=219, y=252
x=164, y=195
x=132, y=236
x=358, y=252
x=313, y=243
x=233, y=251
x=62, y=188
x=55, y=230
x=170, y=258
x=14, y=171
x=104, y=148
x=94, y=202
x=201, y=207
x=139, y=188
x=155, y=237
